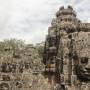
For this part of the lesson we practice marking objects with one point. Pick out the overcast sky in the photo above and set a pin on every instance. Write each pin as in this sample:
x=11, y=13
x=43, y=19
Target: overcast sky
x=29, y=19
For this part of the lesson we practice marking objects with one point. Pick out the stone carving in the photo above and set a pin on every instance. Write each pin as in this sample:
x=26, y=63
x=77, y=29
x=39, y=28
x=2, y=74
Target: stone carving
x=69, y=47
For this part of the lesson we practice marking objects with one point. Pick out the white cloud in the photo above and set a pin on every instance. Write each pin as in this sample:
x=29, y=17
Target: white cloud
x=29, y=19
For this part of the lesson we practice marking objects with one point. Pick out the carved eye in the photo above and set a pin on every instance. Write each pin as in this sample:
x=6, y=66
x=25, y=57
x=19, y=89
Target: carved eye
x=84, y=60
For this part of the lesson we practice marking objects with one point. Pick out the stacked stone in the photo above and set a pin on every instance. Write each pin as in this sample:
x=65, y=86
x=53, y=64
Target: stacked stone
x=17, y=68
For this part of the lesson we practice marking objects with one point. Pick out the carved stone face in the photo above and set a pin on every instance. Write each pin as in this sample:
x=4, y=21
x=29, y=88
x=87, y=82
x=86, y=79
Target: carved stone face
x=83, y=69
x=82, y=49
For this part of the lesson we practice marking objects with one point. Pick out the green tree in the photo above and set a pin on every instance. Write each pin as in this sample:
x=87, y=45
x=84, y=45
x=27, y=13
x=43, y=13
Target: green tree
x=12, y=43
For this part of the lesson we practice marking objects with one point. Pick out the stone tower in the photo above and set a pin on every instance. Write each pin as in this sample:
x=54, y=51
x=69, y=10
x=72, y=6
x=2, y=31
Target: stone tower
x=67, y=50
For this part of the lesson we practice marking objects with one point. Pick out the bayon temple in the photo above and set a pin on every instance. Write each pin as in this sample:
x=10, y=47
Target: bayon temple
x=66, y=58
x=67, y=51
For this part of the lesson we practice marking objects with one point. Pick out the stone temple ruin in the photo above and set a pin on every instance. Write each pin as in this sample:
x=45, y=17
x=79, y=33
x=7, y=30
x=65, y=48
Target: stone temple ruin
x=18, y=68
x=66, y=58
x=67, y=51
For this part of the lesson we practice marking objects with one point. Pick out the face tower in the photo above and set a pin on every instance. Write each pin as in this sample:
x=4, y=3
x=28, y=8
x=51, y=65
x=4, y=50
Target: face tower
x=67, y=50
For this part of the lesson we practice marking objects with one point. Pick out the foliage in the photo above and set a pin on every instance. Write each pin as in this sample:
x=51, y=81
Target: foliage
x=11, y=44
